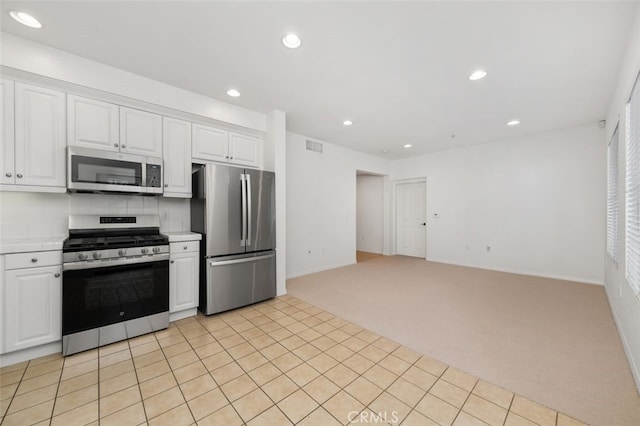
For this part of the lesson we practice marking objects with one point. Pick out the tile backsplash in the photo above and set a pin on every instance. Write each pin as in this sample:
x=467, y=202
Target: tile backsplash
x=41, y=215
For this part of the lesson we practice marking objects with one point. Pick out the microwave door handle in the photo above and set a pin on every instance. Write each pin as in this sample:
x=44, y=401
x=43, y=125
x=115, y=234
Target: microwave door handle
x=249, y=209
x=243, y=182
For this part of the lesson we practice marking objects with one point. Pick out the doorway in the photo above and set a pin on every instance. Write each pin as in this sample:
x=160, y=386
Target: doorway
x=369, y=216
x=411, y=215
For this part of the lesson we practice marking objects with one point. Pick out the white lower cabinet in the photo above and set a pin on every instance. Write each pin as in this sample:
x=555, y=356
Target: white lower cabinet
x=32, y=302
x=184, y=276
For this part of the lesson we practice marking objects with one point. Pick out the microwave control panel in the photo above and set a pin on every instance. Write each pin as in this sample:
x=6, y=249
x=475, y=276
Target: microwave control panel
x=154, y=175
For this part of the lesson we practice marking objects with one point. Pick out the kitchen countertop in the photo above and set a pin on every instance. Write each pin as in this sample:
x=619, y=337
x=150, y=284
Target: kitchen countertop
x=175, y=237
x=24, y=245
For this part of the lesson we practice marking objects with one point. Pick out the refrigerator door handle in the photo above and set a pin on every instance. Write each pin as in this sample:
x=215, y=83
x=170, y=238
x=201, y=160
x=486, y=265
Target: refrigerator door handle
x=243, y=260
x=249, y=212
x=243, y=238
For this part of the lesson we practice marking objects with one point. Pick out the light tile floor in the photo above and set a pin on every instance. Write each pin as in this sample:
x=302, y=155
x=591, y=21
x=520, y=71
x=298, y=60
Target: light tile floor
x=279, y=362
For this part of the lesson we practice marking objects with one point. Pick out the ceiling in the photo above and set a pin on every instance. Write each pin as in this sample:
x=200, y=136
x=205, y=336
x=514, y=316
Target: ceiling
x=398, y=70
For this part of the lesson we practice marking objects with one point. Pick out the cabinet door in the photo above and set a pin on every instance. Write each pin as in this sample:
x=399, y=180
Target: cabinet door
x=210, y=143
x=40, y=136
x=140, y=132
x=183, y=281
x=92, y=124
x=32, y=307
x=7, y=153
x=245, y=150
x=176, y=150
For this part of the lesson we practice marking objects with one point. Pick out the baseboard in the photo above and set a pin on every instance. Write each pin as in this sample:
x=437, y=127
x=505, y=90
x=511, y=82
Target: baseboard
x=625, y=344
x=522, y=272
x=297, y=274
x=176, y=316
x=30, y=353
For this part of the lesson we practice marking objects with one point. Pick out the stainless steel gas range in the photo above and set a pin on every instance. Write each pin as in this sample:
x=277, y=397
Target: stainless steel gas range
x=115, y=280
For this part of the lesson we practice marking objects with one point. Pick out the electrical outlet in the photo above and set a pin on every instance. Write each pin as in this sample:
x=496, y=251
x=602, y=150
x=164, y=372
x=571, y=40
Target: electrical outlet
x=488, y=248
x=309, y=253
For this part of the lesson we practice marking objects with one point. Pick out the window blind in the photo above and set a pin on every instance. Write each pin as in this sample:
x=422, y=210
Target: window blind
x=632, y=191
x=612, y=197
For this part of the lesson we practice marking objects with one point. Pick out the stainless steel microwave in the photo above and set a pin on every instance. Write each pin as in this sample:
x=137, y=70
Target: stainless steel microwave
x=93, y=170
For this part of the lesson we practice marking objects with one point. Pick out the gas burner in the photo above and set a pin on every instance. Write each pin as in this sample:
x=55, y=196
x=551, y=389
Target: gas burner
x=112, y=237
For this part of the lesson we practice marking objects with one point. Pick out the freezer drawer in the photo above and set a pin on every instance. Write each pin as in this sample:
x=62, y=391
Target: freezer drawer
x=235, y=281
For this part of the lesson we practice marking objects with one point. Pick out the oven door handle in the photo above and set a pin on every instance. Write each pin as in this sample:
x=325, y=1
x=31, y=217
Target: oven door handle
x=75, y=266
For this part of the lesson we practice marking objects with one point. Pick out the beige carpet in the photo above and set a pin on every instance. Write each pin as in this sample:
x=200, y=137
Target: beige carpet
x=552, y=341
x=365, y=256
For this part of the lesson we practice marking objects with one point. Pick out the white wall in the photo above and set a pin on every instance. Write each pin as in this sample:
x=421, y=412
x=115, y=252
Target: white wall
x=369, y=213
x=37, y=215
x=276, y=141
x=321, y=204
x=624, y=304
x=538, y=201
x=43, y=60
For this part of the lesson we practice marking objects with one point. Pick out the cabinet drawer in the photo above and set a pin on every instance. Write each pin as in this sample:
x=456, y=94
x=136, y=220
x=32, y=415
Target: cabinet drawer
x=184, y=247
x=32, y=260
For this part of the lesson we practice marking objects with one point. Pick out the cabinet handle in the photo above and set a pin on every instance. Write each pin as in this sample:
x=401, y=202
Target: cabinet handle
x=34, y=260
x=115, y=144
x=185, y=247
x=8, y=174
x=226, y=156
x=173, y=261
x=231, y=158
x=19, y=175
x=57, y=275
x=166, y=185
x=123, y=146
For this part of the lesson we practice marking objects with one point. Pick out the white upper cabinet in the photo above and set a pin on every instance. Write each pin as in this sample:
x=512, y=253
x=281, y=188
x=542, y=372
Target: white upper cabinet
x=92, y=124
x=39, y=136
x=176, y=150
x=7, y=146
x=102, y=125
x=245, y=150
x=210, y=143
x=140, y=132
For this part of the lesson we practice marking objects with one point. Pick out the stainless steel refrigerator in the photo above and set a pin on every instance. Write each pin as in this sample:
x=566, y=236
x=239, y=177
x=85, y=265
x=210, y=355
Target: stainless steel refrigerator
x=235, y=210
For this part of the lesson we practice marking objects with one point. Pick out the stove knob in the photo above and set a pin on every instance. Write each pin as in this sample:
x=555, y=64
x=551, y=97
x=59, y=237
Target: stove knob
x=83, y=256
x=122, y=252
x=156, y=249
x=97, y=255
x=144, y=251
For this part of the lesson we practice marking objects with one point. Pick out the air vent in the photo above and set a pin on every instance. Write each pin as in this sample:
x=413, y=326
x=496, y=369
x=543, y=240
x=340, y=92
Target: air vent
x=314, y=146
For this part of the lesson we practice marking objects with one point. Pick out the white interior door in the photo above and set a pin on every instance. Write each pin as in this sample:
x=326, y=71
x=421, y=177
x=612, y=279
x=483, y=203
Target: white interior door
x=411, y=223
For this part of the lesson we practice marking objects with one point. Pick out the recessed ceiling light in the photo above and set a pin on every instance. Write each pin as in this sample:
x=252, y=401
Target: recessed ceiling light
x=477, y=75
x=384, y=151
x=513, y=123
x=347, y=122
x=25, y=19
x=292, y=41
x=408, y=145
x=233, y=93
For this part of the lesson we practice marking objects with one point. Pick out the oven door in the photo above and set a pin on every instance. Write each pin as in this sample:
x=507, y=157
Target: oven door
x=104, y=295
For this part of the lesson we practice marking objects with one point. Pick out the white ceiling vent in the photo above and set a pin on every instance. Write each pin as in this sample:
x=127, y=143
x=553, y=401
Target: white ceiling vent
x=314, y=146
